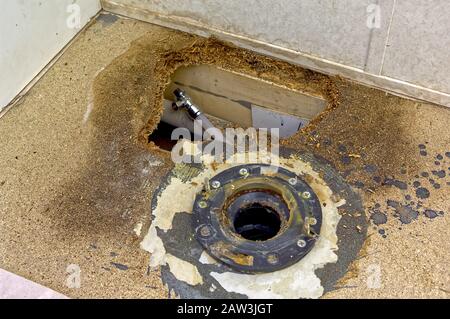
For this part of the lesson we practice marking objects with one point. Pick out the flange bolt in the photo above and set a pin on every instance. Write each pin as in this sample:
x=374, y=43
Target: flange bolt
x=205, y=231
x=272, y=259
x=306, y=195
x=202, y=204
x=243, y=172
x=301, y=243
x=215, y=184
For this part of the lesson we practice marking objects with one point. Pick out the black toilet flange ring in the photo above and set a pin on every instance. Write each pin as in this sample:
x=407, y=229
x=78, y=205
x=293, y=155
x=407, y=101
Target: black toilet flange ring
x=257, y=218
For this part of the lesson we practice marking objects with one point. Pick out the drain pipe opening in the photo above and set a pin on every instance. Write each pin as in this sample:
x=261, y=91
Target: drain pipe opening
x=257, y=222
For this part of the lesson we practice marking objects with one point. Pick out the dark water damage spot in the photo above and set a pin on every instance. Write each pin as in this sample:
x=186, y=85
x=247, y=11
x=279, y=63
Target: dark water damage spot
x=437, y=186
x=120, y=266
x=346, y=159
x=406, y=213
x=358, y=184
x=378, y=217
x=411, y=207
x=371, y=169
x=396, y=183
x=422, y=150
x=430, y=213
x=440, y=174
x=107, y=19
x=422, y=193
x=342, y=148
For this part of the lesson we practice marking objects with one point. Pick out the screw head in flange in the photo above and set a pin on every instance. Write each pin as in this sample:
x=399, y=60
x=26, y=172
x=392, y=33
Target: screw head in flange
x=205, y=231
x=272, y=259
x=306, y=195
x=215, y=184
x=301, y=243
x=243, y=172
x=202, y=204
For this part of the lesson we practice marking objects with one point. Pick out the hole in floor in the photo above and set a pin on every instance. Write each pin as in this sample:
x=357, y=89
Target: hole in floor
x=257, y=222
x=162, y=136
x=239, y=100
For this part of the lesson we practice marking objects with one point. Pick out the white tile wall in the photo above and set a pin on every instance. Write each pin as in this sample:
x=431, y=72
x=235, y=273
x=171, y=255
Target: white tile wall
x=408, y=53
x=32, y=32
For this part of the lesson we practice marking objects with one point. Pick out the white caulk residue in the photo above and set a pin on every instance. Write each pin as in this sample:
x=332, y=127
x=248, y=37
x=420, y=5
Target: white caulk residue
x=206, y=259
x=177, y=197
x=88, y=112
x=150, y=164
x=296, y=281
x=184, y=271
x=90, y=105
x=154, y=245
x=138, y=228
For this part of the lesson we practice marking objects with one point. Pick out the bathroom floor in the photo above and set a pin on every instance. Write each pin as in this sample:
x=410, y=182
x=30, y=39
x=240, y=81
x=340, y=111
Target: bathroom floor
x=77, y=176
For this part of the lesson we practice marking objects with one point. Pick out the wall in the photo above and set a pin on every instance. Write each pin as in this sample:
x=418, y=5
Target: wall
x=399, y=45
x=32, y=32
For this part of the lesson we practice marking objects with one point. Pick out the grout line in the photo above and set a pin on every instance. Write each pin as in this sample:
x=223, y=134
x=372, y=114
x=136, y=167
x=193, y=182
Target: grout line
x=387, y=38
x=369, y=46
x=368, y=52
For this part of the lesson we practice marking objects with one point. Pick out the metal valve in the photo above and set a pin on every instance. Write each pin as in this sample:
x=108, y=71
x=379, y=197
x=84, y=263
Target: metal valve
x=184, y=101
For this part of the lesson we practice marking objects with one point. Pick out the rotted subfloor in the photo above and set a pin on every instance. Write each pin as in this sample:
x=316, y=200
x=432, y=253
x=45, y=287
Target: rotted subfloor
x=77, y=176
